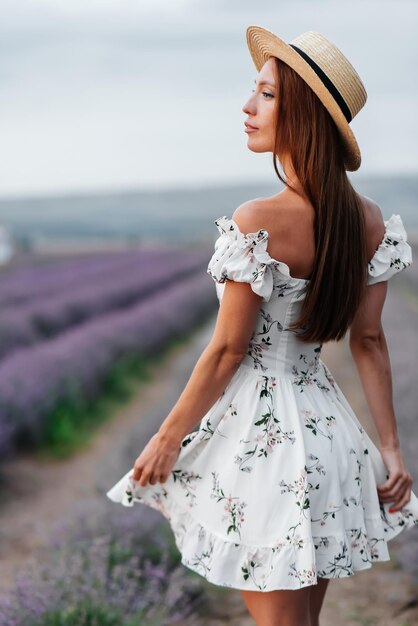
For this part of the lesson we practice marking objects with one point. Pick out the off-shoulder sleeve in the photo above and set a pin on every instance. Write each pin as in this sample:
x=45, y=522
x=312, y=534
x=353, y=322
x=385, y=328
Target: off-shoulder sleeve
x=242, y=258
x=393, y=253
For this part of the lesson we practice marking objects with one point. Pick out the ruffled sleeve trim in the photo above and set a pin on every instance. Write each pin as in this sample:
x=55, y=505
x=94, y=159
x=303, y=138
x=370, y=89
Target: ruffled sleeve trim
x=393, y=253
x=242, y=258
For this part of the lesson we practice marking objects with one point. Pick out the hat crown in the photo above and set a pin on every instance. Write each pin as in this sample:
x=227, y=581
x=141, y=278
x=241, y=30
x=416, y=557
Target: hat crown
x=325, y=54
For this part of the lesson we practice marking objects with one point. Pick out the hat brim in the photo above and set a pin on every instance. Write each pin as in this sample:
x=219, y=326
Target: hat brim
x=263, y=44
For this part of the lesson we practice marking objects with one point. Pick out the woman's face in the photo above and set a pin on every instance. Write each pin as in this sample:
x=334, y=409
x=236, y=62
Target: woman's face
x=260, y=110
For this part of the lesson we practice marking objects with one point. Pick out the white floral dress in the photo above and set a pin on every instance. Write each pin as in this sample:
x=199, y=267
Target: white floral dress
x=277, y=486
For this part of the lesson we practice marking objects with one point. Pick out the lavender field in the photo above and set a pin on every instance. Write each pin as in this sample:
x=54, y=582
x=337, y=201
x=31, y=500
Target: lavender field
x=106, y=574
x=64, y=328
x=38, y=304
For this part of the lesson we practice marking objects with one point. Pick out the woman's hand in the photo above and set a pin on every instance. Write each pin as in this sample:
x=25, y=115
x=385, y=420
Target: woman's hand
x=397, y=488
x=155, y=461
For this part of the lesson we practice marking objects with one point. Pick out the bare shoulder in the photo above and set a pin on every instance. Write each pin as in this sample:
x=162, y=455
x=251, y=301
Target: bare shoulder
x=276, y=213
x=373, y=212
x=248, y=215
x=289, y=221
x=262, y=212
x=375, y=225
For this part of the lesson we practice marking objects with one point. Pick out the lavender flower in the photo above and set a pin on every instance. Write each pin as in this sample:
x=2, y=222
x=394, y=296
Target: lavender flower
x=76, y=295
x=34, y=380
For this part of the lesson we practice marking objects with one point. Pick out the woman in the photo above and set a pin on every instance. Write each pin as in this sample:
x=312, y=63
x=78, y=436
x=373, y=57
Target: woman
x=280, y=488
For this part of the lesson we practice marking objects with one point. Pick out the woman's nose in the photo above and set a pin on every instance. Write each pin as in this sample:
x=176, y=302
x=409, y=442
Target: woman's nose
x=249, y=107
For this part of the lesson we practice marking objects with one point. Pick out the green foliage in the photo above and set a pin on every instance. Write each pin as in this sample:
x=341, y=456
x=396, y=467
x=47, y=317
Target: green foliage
x=72, y=422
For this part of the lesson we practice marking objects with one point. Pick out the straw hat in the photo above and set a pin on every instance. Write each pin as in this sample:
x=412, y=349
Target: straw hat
x=325, y=69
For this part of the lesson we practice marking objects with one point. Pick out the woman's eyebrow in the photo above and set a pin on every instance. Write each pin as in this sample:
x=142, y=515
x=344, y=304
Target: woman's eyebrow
x=264, y=82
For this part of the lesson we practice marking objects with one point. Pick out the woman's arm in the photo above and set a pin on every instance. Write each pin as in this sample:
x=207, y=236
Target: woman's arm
x=211, y=374
x=213, y=371
x=219, y=361
x=371, y=356
x=370, y=352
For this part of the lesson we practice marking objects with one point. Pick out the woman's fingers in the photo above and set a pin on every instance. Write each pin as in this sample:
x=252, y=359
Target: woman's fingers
x=402, y=502
x=140, y=475
x=143, y=475
x=399, y=494
x=391, y=482
x=155, y=462
x=143, y=481
x=136, y=474
x=397, y=489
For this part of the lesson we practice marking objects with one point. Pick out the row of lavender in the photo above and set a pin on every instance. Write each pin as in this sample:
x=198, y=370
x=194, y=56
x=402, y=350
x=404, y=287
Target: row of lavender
x=109, y=572
x=125, y=312
x=41, y=302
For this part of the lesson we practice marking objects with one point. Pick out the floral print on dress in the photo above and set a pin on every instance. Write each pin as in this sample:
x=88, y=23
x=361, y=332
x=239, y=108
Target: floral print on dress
x=300, y=489
x=278, y=484
x=305, y=577
x=271, y=432
x=306, y=374
x=319, y=425
x=233, y=506
x=393, y=254
x=260, y=342
x=201, y=562
x=188, y=482
x=251, y=567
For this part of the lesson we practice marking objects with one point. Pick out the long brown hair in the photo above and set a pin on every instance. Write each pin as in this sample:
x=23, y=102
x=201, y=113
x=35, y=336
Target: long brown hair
x=306, y=132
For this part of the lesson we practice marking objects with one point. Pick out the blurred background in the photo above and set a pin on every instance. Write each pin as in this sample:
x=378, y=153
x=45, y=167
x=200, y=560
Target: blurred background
x=122, y=140
x=123, y=119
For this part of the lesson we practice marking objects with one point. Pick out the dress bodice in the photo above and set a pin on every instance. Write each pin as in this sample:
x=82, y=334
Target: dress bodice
x=274, y=347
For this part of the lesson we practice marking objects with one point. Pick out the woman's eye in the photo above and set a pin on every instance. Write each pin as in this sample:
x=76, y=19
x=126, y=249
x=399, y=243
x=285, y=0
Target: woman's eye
x=265, y=93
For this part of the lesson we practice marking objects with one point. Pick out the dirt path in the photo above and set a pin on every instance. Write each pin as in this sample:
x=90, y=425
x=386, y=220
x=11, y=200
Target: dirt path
x=37, y=495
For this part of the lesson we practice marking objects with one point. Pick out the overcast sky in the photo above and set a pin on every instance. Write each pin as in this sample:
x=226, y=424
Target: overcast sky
x=100, y=95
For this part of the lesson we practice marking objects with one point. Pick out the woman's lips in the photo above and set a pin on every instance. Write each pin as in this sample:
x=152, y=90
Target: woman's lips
x=250, y=129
